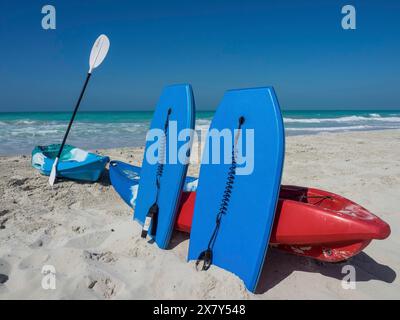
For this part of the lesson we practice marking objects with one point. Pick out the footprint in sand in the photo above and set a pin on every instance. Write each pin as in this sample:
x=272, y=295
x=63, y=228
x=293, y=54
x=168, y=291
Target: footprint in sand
x=3, y=221
x=4, y=212
x=35, y=260
x=91, y=240
x=17, y=181
x=103, y=285
x=106, y=257
x=5, y=269
x=40, y=242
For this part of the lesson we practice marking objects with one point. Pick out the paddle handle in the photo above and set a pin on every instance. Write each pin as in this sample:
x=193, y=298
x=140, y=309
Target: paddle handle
x=73, y=115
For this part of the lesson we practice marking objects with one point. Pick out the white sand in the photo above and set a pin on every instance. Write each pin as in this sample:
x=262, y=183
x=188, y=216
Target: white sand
x=86, y=232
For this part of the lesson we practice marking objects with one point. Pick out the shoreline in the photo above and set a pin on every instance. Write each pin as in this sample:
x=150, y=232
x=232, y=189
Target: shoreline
x=86, y=231
x=328, y=133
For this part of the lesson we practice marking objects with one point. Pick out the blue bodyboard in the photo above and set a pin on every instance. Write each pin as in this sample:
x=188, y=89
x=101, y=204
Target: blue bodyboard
x=241, y=243
x=179, y=101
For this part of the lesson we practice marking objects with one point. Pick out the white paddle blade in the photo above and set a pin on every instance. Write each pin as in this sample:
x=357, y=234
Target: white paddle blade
x=53, y=173
x=99, y=52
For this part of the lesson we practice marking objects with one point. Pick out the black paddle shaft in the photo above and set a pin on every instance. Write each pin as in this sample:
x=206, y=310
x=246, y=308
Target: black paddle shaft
x=73, y=115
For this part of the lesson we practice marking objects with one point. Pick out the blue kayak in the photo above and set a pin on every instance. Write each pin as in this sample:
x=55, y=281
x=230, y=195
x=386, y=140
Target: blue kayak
x=74, y=163
x=125, y=180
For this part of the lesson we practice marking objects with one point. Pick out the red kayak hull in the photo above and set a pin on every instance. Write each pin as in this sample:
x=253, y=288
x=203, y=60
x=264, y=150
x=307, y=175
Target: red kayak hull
x=312, y=222
x=330, y=252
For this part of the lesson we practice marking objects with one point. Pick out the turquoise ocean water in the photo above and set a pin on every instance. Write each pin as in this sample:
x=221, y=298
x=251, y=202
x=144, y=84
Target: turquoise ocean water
x=20, y=132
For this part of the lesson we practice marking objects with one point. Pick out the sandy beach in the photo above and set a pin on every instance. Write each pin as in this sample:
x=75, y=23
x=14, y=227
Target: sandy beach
x=86, y=232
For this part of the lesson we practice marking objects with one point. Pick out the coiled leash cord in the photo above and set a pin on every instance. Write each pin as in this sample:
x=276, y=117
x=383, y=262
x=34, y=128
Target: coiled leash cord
x=152, y=214
x=206, y=256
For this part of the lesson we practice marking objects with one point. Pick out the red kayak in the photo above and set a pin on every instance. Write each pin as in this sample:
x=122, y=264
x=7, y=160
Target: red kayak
x=313, y=223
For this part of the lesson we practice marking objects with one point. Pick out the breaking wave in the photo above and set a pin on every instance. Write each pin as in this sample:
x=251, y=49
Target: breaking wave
x=351, y=119
x=19, y=134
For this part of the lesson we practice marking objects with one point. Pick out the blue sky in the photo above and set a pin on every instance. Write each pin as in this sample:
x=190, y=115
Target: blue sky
x=296, y=46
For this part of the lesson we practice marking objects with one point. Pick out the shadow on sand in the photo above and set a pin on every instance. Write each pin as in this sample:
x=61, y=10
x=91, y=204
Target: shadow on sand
x=177, y=238
x=281, y=264
x=104, y=179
